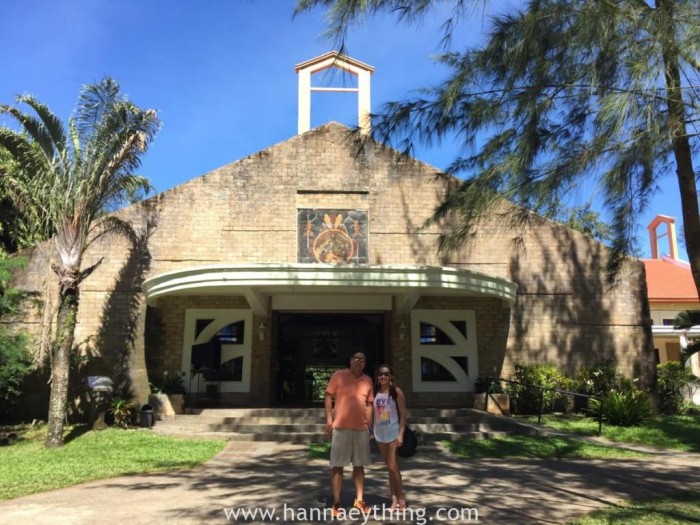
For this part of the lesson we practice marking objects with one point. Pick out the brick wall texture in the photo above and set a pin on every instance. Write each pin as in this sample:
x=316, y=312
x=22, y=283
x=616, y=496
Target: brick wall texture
x=246, y=212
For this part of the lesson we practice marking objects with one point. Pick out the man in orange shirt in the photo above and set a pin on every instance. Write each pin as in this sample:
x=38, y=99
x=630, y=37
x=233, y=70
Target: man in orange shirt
x=349, y=423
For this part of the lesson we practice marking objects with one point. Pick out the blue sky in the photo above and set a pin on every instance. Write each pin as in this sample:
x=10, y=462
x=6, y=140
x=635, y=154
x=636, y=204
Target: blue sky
x=220, y=72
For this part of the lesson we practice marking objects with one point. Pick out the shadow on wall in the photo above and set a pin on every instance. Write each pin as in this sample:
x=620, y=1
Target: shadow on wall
x=419, y=248
x=154, y=340
x=123, y=319
x=566, y=312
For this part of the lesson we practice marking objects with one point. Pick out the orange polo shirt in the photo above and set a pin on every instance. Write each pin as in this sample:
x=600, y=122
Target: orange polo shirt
x=352, y=396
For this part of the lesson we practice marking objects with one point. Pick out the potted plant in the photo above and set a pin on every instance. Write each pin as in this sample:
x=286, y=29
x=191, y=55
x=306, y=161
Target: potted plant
x=121, y=412
x=167, y=395
x=489, y=396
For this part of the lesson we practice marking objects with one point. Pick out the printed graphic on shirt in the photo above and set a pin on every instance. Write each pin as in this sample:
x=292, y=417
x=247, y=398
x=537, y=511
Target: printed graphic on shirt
x=383, y=411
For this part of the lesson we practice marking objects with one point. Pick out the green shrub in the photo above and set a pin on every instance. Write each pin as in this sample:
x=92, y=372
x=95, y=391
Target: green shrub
x=624, y=409
x=15, y=361
x=672, y=379
x=15, y=364
x=122, y=412
x=169, y=383
x=525, y=399
x=566, y=403
x=490, y=385
x=597, y=381
x=601, y=379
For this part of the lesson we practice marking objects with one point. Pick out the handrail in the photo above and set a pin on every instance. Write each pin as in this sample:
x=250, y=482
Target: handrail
x=492, y=380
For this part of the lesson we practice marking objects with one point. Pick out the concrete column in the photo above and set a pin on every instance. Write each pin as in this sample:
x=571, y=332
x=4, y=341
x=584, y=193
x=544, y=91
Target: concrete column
x=363, y=102
x=304, y=118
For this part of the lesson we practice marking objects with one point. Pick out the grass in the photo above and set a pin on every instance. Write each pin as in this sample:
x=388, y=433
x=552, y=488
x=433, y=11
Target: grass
x=671, y=510
x=530, y=447
x=26, y=467
x=320, y=450
x=520, y=447
x=675, y=432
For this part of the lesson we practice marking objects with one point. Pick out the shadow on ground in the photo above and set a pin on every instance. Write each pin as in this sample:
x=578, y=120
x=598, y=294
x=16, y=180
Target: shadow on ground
x=501, y=491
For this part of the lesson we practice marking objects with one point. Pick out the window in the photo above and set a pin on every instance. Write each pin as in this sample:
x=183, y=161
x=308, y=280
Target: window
x=432, y=335
x=433, y=371
x=216, y=345
x=232, y=333
x=445, y=357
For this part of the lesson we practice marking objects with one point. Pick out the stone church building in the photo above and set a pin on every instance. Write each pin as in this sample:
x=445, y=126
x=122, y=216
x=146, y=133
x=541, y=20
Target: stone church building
x=257, y=280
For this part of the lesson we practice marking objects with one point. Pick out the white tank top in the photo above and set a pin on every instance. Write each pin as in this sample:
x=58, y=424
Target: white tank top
x=386, y=418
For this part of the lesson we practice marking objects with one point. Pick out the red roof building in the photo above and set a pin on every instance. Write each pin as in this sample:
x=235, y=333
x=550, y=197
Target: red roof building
x=670, y=281
x=670, y=290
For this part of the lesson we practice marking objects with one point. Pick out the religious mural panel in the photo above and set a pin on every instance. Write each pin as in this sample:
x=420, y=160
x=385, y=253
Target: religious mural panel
x=333, y=236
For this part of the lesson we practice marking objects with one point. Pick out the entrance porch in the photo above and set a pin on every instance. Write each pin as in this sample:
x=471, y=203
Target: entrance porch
x=271, y=335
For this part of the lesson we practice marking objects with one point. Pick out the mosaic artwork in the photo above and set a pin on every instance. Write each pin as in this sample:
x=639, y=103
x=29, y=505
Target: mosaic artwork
x=333, y=236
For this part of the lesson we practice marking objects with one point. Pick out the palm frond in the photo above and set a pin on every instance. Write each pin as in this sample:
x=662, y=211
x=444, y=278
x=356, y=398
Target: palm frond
x=687, y=319
x=50, y=133
x=78, y=177
x=96, y=101
x=22, y=151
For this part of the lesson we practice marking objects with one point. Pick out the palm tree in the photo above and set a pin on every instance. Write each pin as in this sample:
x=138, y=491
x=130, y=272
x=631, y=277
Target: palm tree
x=63, y=182
x=684, y=321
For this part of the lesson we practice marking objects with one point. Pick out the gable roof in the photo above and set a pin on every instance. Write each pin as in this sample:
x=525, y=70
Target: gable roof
x=325, y=139
x=334, y=59
x=669, y=281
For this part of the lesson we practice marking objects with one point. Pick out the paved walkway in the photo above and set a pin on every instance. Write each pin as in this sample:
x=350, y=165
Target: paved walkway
x=278, y=476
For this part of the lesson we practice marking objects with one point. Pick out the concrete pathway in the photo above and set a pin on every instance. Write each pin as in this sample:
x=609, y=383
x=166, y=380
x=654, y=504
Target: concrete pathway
x=279, y=478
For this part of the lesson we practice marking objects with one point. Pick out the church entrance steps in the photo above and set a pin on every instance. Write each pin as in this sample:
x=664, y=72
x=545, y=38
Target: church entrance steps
x=307, y=425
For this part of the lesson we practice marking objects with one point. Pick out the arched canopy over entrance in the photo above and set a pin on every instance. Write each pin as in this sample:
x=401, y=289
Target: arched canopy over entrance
x=311, y=316
x=262, y=284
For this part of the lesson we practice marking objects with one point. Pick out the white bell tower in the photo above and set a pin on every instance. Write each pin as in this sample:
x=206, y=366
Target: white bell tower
x=326, y=61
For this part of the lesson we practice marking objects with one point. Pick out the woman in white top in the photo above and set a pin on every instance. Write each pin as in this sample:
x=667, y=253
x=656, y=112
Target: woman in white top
x=389, y=424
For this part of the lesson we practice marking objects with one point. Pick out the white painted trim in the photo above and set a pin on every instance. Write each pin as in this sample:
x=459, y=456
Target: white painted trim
x=659, y=330
x=222, y=317
x=443, y=353
x=407, y=283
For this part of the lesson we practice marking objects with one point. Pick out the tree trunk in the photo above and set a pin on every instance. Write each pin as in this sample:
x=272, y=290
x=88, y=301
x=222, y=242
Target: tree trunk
x=60, y=368
x=680, y=142
x=689, y=205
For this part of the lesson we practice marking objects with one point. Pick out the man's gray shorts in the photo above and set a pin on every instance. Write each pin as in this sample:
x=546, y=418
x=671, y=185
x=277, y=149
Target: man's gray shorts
x=350, y=447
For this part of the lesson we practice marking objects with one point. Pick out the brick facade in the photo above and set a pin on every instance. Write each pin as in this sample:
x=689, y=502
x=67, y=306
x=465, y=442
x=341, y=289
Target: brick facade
x=246, y=213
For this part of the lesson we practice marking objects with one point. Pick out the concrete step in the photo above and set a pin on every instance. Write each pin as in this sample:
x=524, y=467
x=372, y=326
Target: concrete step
x=301, y=425
x=261, y=412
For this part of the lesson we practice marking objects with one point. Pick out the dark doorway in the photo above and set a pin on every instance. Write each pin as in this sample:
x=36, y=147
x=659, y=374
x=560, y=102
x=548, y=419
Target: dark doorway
x=310, y=347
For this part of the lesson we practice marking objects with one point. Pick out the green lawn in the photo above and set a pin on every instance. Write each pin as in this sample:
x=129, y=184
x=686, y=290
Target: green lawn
x=529, y=447
x=320, y=450
x=677, y=509
x=676, y=432
x=26, y=467
x=520, y=447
